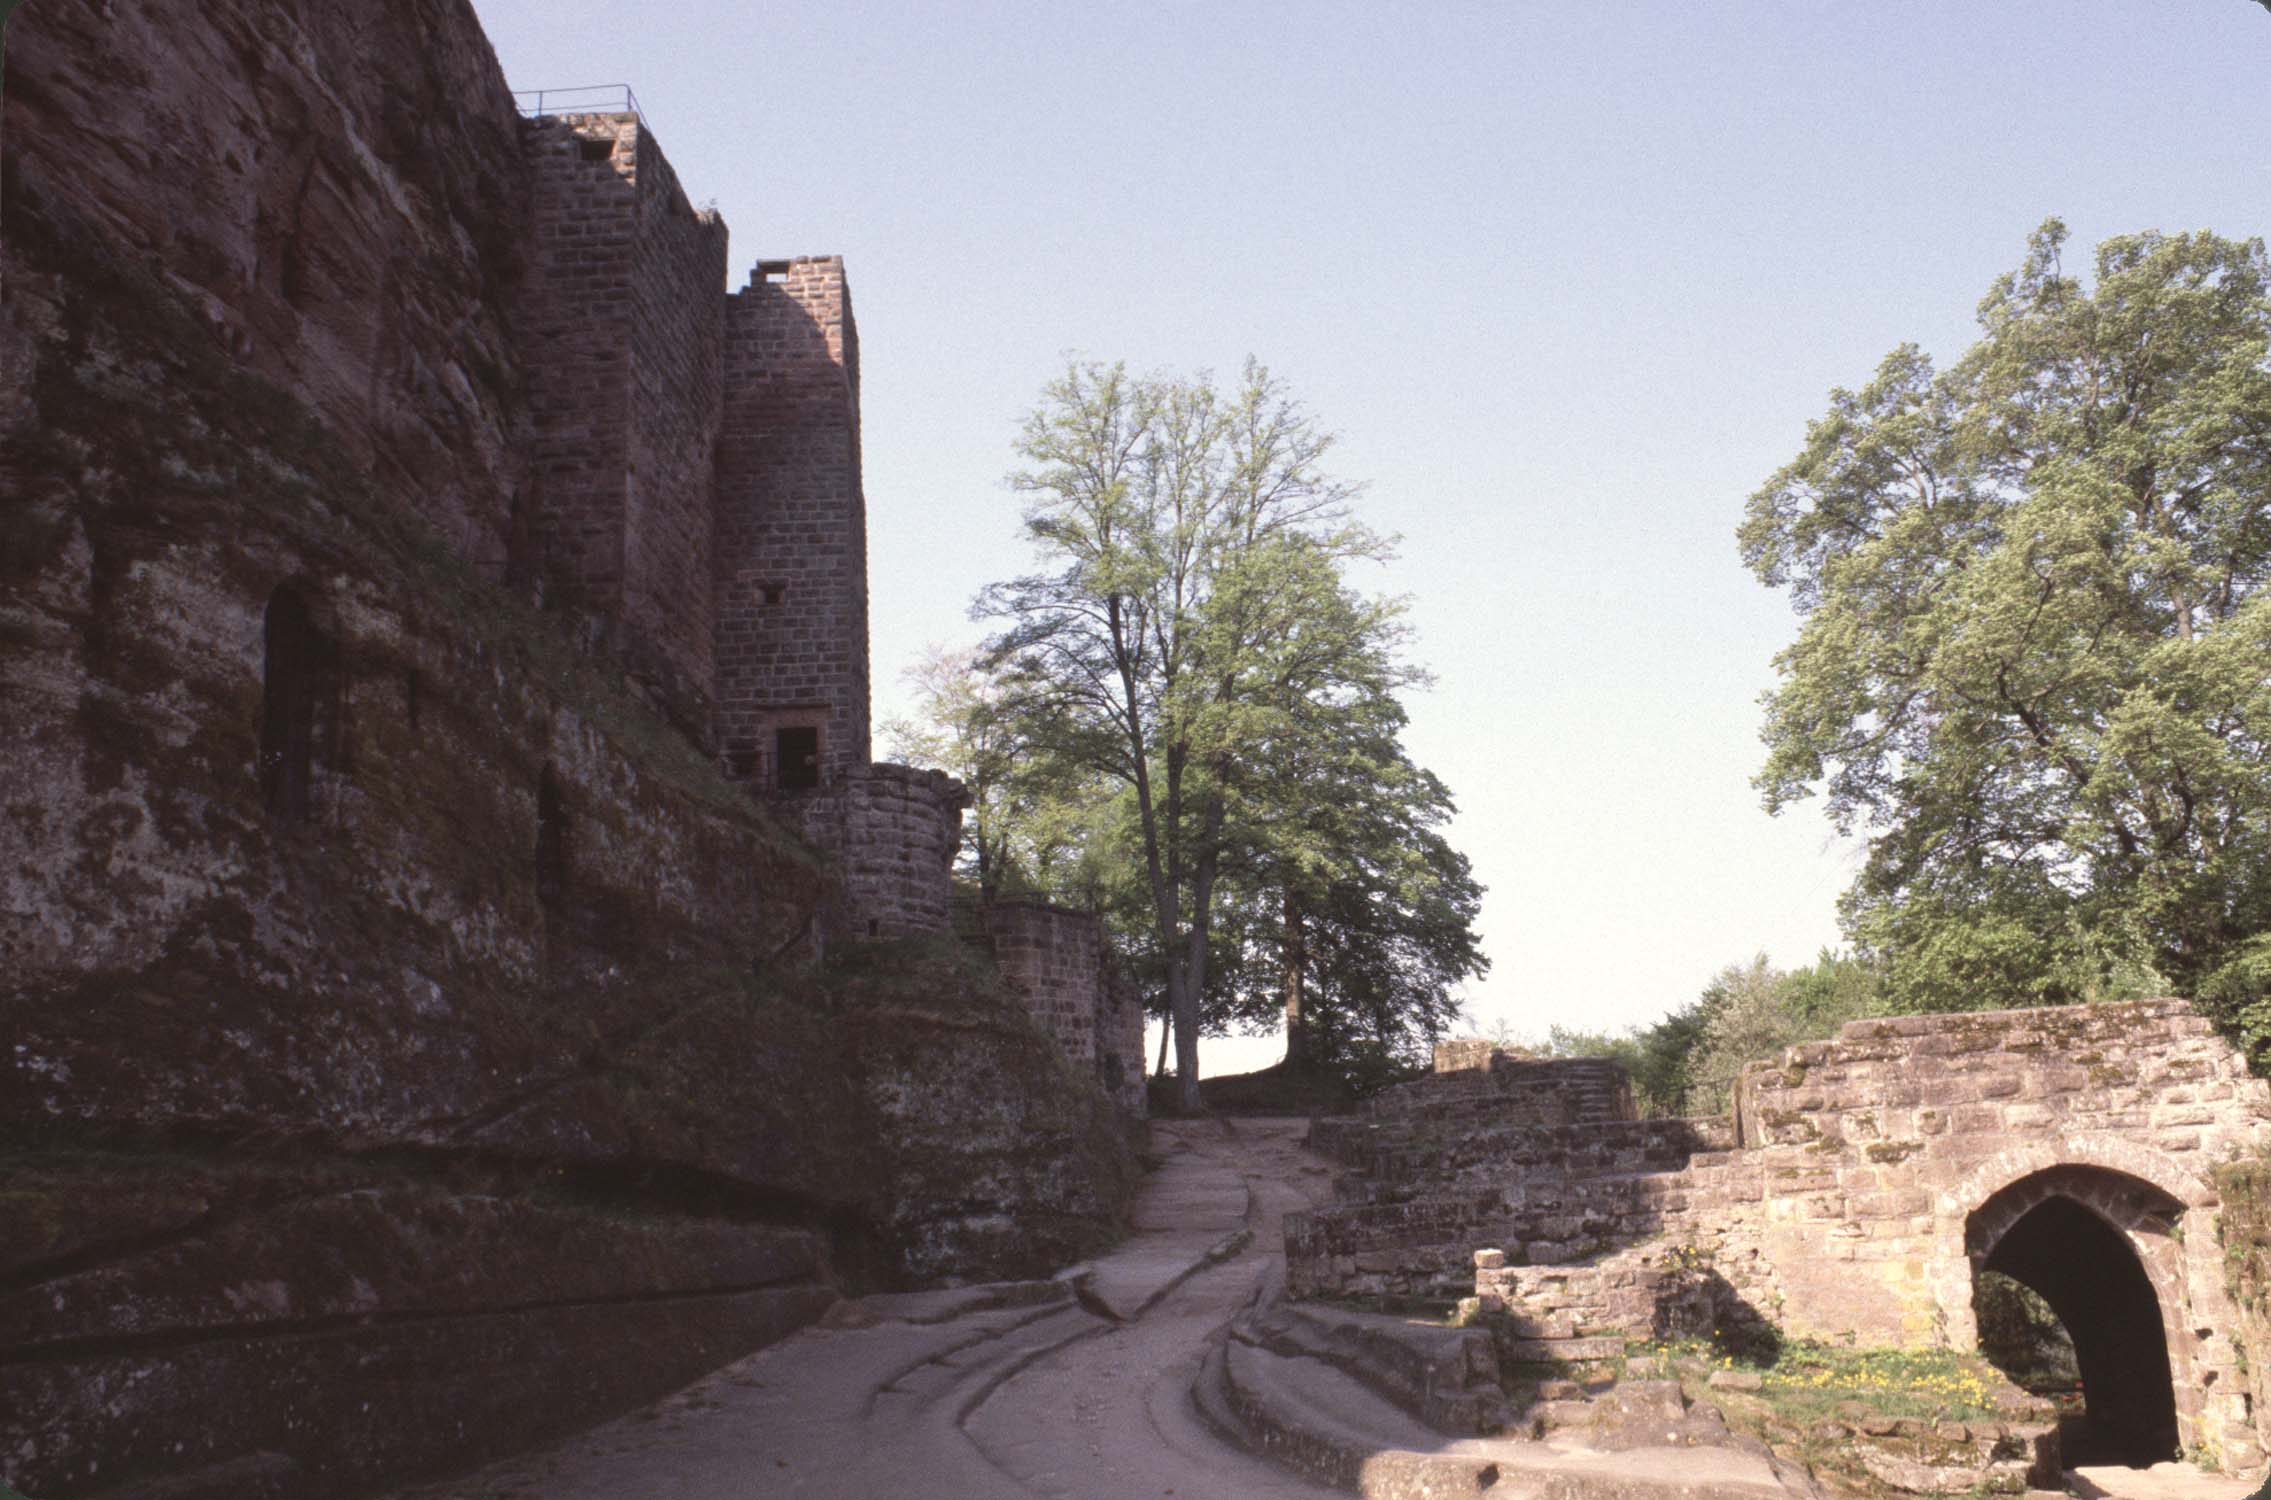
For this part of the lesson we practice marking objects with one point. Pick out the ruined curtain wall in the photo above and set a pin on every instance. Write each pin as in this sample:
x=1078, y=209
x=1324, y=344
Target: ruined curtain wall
x=1856, y=1190
x=403, y=1062
x=1872, y=1149
x=1059, y=964
x=1546, y=1194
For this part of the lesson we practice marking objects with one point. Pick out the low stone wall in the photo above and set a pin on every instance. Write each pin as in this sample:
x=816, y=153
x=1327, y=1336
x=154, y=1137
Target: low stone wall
x=1485, y=1082
x=1059, y=962
x=1406, y=1160
x=1660, y=1288
x=1550, y=1195
x=1465, y=1054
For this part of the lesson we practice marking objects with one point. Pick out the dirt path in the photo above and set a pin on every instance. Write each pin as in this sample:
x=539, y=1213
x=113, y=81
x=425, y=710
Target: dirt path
x=991, y=1392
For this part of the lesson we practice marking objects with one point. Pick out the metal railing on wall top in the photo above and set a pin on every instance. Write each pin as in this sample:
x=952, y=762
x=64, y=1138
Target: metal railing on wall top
x=584, y=99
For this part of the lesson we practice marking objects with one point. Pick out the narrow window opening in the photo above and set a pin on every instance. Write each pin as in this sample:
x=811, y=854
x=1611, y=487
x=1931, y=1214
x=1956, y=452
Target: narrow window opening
x=596, y=150
x=773, y=272
x=796, y=758
x=290, y=671
x=874, y=926
x=551, y=841
x=775, y=592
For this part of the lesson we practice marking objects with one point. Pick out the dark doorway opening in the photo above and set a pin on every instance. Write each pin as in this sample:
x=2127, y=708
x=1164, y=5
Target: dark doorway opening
x=796, y=758
x=298, y=673
x=2087, y=1274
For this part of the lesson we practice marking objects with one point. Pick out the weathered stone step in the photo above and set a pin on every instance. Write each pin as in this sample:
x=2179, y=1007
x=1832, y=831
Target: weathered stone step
x=1324, y=1423
x=1210, y=1393
x=1446, y=1377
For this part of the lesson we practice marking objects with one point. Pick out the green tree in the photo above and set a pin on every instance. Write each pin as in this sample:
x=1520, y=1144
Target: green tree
x=1687, y=1063
x=1658, y=1058
x=1359, y=927
x=1191, y=610
x=1755, y=1010
x=958, y=727
x=2033, y=657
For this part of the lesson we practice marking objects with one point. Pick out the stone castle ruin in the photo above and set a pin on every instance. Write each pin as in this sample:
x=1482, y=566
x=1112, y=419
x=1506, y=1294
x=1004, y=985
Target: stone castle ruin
x=1856, y=1192
x=434, y=699
x=435, y=709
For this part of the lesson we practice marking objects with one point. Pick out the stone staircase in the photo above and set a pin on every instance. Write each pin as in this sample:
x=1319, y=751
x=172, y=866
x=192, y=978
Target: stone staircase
x=1394, y=1410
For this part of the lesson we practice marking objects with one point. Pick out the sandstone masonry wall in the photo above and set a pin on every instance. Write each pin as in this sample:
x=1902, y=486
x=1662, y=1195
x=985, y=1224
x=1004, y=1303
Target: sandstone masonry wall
x=1549, y=1193
x=1464, y=1054
x=1055, y=959
x=2243, y=1191
x=895, y=830
x=626, y=312
x=1856, y=1190
x=1060, y=963
x=1120, y=1062
x=1495, y=1086
x=1872, y=1146
x=576, y=307
x=472, y=1054
x=791, y=560
x=677, y=351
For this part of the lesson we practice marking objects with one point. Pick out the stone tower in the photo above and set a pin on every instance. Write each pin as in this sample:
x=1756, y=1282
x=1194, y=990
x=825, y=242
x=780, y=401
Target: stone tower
x=624, y=353
x=791, y=556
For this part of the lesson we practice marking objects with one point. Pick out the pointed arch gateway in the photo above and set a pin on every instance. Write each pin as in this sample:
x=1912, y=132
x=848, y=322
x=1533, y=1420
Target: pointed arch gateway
x=2103, y=1248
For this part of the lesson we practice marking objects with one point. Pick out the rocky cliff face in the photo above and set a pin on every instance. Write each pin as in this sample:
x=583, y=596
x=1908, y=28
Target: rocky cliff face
x=412, y=1045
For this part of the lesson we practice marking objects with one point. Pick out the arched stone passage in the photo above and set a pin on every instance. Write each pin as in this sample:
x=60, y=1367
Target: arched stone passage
x=2100, y=1247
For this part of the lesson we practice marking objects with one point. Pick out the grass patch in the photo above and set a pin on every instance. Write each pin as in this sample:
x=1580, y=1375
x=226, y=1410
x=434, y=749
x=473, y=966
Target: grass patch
x=1808, y=1381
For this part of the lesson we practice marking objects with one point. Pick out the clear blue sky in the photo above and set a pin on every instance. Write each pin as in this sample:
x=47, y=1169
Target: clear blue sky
x=1569, y=281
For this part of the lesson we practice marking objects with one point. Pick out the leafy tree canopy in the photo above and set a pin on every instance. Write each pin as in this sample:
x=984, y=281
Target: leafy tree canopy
x=2034, y=663
x=1687, y=1063
x=1195, y=713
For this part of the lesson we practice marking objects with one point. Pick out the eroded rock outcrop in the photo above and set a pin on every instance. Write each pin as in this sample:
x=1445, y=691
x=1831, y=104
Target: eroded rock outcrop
x=412, y=1043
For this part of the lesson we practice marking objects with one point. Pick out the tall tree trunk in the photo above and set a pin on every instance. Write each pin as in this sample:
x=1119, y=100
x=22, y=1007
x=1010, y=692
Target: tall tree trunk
x=1166, y=1035
x=1183, y=1003
x=1296, y=961
x=1193, y=966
